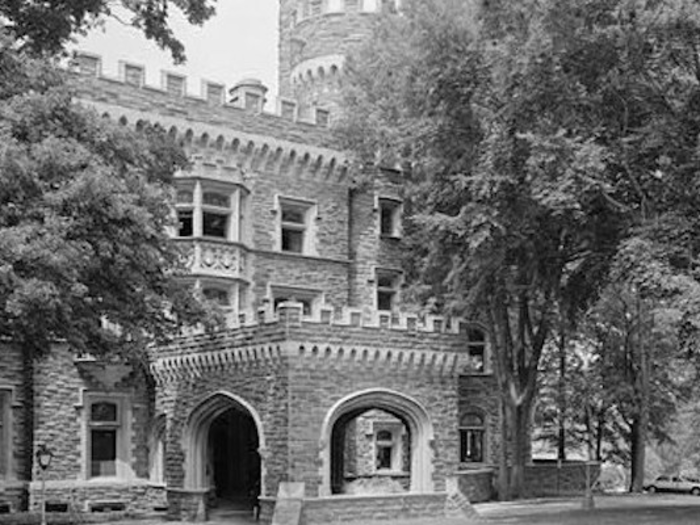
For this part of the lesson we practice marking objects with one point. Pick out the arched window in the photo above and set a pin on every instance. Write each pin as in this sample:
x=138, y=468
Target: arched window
x=472, y=432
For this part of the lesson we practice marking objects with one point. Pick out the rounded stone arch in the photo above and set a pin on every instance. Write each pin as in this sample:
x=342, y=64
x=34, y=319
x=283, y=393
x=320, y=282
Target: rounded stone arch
x=412, y=413
x=194, y=439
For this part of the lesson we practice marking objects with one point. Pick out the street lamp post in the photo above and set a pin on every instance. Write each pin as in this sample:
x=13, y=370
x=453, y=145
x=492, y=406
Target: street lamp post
x=43, y=458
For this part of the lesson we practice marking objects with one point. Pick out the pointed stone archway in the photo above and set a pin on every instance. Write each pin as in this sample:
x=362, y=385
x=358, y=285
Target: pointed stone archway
x=414, y=416
x=224, y=447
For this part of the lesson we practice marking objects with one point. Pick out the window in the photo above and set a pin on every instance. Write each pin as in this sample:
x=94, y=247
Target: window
x=104, y=437
x=387, y=289
x=218, y=296
x=252, y=101
x=295, y=226
x=471, y=438
x=387, y=447
x=209, y=210
x=213, y=92
x=390, y=217
x=476, y=348
x=5, y=435
x=308, y=298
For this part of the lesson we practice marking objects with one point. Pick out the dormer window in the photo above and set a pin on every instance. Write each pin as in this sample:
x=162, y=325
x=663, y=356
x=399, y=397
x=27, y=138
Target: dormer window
x=390, y=211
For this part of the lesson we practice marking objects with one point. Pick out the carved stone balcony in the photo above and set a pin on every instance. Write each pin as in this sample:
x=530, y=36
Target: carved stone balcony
x=215, y=258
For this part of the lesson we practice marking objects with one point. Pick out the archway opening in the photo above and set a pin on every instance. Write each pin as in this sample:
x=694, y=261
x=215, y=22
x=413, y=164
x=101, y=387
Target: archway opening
x=234, y=462
x=370, y=453
x=401, y=444
x=224, y=444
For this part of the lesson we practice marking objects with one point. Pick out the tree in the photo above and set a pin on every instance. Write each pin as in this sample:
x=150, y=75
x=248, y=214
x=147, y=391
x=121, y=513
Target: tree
x=542, y=145
x=84, y=207
x=46, y=27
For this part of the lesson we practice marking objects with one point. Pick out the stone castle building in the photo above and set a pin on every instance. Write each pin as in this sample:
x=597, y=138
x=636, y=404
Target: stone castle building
x=322, y=389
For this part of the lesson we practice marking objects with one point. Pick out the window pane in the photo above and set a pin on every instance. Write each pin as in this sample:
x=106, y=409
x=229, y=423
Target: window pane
x=472, y=420
x=103, y=452
x=384, y=435
x=184, y=219
x=306, y=303
x=471, y=445
x=387, y=221
x=214, y=224
x=184, y=197
x=383, y=457
x=385, y=300
x=294, y=215
x=476, y=357
x=216, y=199
x=103, y=411
x=292, y=240
x=216, y=295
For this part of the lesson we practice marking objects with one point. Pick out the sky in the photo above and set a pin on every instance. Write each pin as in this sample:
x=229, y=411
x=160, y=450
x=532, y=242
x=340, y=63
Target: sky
x=239, y=42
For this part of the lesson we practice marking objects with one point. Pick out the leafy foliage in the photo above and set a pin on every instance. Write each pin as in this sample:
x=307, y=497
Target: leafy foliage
x=46, y=27
x=550, y=150
x=84, y=207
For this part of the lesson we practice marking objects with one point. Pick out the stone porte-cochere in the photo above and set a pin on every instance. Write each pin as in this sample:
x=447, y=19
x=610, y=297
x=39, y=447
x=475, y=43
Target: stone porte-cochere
x=238, y=429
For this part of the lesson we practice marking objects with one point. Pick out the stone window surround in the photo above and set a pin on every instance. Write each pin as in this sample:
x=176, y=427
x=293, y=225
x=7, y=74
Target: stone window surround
x=389, y=213
x=313, y=296
x=7, y=428
x=308, y=227
x=380, y=288
x=124, y=435
x=417, y=421
x=235, y=210
x=474, y=347
x=470, y=428
x=397, y=432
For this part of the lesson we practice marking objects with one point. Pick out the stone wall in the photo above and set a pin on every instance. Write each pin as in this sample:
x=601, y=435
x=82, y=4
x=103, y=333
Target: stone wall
x=477, y=484
x=17, y=389
x=264, y=386
x=363, y=509
x=63, y=386
x=550, y=478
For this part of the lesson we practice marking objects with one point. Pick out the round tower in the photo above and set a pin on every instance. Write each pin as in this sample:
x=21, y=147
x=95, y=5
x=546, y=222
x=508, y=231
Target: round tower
x=315, y=38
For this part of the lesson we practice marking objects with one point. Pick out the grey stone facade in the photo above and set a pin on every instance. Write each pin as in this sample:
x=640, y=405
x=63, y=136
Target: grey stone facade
x=306, y=351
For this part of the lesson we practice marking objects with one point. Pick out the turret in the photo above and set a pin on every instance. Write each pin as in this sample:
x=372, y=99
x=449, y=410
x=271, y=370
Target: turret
x=315, y=38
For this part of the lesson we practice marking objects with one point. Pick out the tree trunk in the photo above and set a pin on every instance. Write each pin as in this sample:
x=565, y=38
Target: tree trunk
x=561, y=401
x=503, y=475
x=516, y=448
x=638, y=454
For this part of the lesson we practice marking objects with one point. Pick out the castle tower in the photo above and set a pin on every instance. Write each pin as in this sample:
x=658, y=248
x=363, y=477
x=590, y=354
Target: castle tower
x=315, y=38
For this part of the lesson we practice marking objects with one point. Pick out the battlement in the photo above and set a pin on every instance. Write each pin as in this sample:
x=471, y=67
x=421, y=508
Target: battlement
x=248, y=94
x=432, y=344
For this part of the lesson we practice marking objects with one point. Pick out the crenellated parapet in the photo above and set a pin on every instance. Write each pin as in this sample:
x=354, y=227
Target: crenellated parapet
x=426, y=345
x=238, y=134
